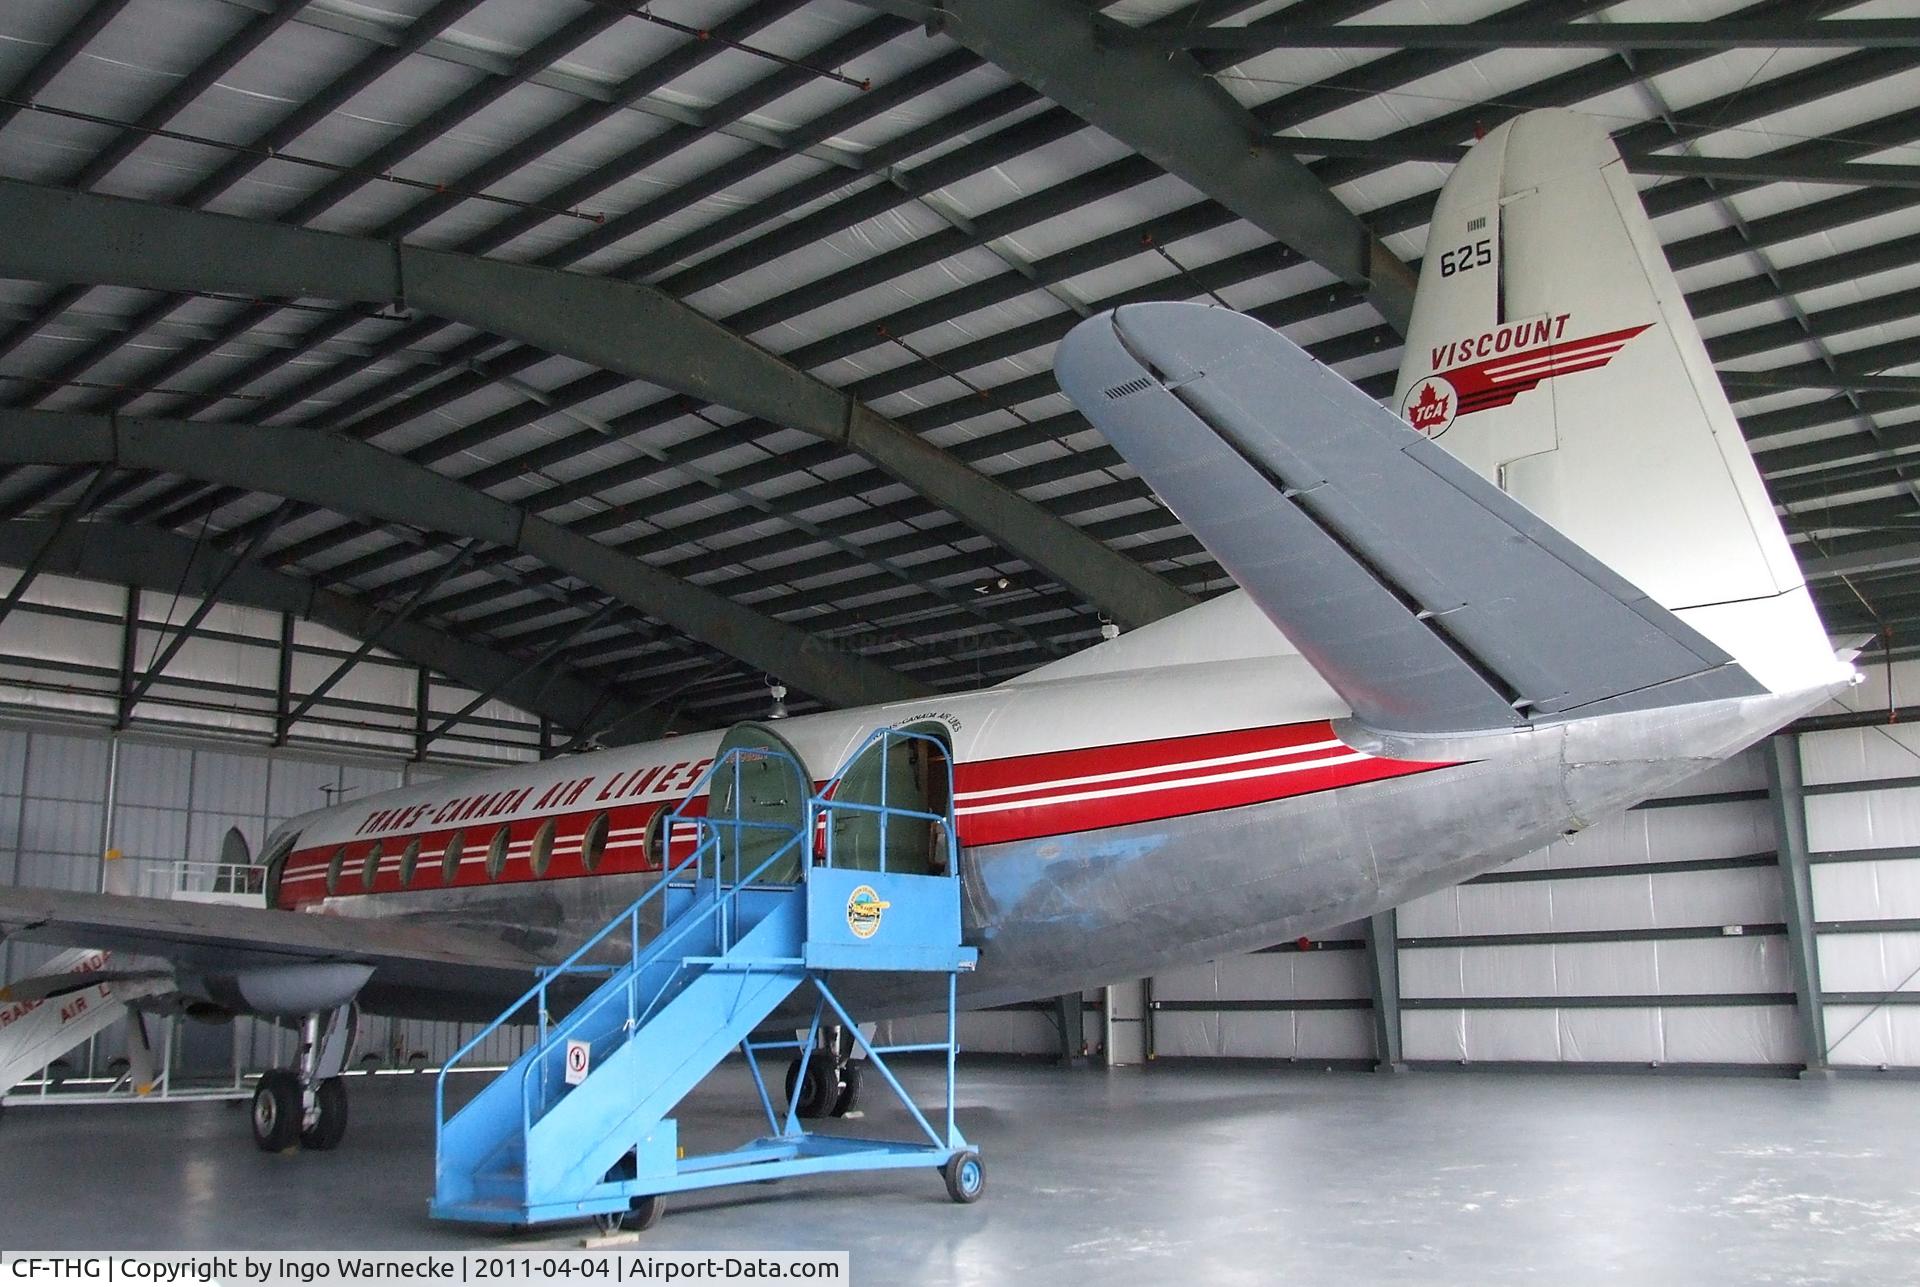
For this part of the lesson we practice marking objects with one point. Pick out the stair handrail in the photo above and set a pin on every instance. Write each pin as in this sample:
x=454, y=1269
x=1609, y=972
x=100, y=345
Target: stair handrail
x=537, y=991
x=630, y=917
x=668, y=870
x=685, y=924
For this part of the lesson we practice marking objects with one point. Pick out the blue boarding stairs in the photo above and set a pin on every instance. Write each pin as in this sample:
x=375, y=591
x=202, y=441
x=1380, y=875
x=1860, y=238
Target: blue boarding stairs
x=577, y=1127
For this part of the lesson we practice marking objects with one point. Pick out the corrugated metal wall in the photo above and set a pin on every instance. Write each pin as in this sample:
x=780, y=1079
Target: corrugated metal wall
x=1865, y=852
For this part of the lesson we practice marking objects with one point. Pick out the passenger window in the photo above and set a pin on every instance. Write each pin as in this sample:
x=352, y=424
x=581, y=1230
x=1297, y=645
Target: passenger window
x=409, y=862
x=497, y=853
x=541, y=855
x=450, y=857
x=593, y=845
x=654, y=843
x=371, y=868
x=334, y=868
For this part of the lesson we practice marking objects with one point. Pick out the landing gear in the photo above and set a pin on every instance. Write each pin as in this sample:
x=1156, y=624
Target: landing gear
x=849, y=1089
x=329, y=1119
x=821, y=1091
x=308, y=1105
x=833, y=1077
x=640, y=1217
x=277, y=1111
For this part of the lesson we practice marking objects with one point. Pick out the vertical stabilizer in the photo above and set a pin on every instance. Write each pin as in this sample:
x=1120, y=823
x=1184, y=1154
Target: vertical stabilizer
x=1552, y=352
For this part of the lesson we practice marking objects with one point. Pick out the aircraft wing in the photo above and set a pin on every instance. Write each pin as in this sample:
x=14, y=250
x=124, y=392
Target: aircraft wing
x=218, y=939
x=1428, y=598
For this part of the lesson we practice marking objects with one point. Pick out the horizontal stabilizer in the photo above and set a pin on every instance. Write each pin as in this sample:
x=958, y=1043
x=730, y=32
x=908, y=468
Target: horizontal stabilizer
x=1429, y=599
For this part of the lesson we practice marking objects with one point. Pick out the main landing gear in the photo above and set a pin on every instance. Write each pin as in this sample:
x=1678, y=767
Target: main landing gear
x=307, y=1105
x=833, y=1078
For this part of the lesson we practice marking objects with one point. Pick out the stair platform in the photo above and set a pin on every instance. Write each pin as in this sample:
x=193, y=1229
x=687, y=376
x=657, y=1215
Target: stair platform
x=578, y=1127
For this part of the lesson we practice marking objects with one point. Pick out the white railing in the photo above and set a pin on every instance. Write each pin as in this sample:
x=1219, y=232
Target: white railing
x=172, y=878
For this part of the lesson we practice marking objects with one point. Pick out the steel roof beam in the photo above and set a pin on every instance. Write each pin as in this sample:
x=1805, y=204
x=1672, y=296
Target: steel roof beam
x=413, y=38
x=1302, y=104
x=1728, y=296
x=1756, y=169
x=61, y=53
x=1891, y=557
x=1764, y=99
x=1272, y=34
x=1846, y=377
x=182, y=95
x=150, y=559
x=1053, y=123
x=627, y=327
x=1168, y=110
x=342, y=475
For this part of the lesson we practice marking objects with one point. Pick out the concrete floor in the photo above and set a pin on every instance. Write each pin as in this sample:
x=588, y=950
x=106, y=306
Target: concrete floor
x=1157, y=1176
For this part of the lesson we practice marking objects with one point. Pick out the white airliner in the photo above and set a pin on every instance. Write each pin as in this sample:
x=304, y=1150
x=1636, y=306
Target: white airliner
x=1542, y=585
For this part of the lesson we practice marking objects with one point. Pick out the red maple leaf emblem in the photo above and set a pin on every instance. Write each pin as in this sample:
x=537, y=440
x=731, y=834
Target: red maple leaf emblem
x=1431, y=407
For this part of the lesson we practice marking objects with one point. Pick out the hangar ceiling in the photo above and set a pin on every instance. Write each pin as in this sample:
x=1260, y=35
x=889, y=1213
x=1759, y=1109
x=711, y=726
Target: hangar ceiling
x=655, y=349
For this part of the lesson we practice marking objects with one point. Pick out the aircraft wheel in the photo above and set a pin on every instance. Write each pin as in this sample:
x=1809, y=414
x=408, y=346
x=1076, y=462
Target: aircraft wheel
x=816, y=1098
x=966, y=1180
x=330, y=1123
x=276, y=1110
x=849, y=1089
x=640, y=1217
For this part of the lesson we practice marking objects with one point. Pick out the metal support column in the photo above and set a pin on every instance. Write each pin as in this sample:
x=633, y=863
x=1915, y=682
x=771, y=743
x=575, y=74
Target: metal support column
x=1785, y=792
x=1383, y=982
x=129, y=659
x=422, y=712
x=1070, y=1012
x=283, y=683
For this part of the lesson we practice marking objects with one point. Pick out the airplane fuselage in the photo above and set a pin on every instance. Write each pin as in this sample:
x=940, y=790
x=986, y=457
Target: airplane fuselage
x=1110, y=824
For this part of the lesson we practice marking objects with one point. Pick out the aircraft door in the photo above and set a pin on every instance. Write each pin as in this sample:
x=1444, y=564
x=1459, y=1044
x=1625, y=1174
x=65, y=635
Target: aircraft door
x=900, y=773
x=758, y=804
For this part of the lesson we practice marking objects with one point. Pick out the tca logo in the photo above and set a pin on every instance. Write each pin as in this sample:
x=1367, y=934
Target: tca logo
x=1431, y=405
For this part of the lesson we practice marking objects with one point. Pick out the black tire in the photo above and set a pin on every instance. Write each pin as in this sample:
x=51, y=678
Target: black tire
x=849, y=1095
x=638, y=1218
x=966, y=1178
x=276, y=1111
x=816, y=1098
x=330, y=1125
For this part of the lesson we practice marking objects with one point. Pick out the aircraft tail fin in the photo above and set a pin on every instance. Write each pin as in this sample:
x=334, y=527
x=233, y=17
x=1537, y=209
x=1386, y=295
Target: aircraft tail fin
x=1551, y=351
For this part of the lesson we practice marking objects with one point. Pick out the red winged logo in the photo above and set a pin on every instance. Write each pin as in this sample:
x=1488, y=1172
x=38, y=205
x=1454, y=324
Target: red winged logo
x=1497, y=381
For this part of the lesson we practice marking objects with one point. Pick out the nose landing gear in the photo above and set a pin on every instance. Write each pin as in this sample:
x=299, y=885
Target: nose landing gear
x=832, y=1087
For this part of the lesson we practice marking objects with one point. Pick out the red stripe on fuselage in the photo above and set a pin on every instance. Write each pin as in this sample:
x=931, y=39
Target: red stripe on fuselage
x=1109, y=786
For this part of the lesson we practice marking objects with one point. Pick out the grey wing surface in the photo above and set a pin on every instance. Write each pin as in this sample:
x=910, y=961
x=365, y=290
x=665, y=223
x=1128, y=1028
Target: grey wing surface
x=407, y=958
x=1428, y=598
